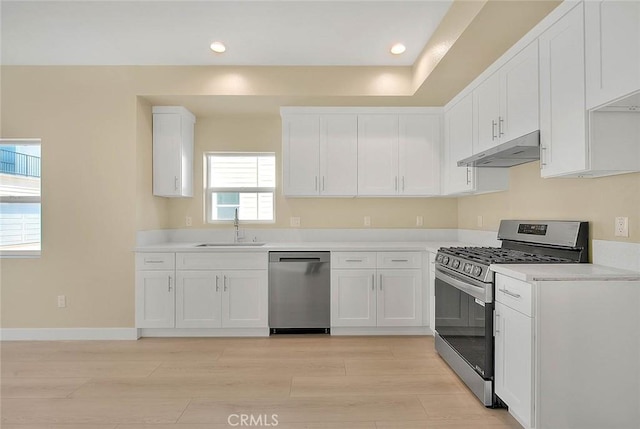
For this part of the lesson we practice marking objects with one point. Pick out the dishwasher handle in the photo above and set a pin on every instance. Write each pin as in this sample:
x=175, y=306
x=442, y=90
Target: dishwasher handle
x=285, y=257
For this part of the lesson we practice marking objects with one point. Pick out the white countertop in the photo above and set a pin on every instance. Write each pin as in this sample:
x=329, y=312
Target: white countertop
x=564, y=272
x=421, y=246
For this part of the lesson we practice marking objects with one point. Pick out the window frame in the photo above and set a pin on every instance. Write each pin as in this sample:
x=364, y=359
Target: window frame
x=25, y=199
x=208, y=191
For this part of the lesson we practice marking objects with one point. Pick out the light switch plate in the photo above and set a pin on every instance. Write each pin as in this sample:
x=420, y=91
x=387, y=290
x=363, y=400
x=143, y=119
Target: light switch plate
x=419, y=221
x=367, y=221
x=294, y=222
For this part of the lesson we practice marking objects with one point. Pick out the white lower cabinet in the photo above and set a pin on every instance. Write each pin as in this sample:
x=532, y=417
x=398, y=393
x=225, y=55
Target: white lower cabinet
x=514, y=361
x=155, y=299
x=365, y=293
x=202, y=297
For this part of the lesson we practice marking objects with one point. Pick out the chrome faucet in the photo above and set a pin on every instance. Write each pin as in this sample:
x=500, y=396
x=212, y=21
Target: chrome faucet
x=236, y=223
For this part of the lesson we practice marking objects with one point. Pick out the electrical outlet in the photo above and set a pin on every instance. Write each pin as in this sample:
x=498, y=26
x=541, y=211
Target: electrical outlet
x=480, y=221
x=62, y=301
x=188, y=221
x=367, y=221
x=622, y=226
x=294, y=222
x=419, y=221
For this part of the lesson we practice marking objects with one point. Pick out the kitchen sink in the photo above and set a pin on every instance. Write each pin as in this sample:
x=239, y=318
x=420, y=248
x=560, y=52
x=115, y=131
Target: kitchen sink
x=246, y=244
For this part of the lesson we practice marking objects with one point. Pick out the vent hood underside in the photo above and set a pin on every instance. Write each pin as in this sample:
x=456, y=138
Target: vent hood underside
x=517, y=151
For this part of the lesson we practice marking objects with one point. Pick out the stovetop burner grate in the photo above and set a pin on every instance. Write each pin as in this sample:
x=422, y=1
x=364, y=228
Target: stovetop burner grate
x=497, y=255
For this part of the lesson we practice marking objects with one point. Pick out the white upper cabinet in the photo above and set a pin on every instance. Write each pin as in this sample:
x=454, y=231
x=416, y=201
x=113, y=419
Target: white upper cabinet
x=573, y=141
x=378, y=155
x=399, y=154
x=320, y=154
x=506, y=103
x=612, y=39
x=519, y=95
x=301, y=160
x=348, y=152
x=563, y=134
x=458, y=123
x=458, y=140
x=419, y=154
x=338, y=155
x=172, y=151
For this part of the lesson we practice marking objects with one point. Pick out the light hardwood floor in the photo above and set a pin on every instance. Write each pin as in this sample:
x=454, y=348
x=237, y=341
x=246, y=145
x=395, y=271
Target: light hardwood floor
x=307, y=382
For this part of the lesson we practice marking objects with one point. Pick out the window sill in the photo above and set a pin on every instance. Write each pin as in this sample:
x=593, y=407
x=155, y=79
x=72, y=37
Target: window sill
x=20, y=254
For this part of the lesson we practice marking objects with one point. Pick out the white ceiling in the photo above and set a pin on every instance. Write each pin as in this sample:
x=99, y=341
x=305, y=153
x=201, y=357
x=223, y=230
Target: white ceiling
x=179, y=32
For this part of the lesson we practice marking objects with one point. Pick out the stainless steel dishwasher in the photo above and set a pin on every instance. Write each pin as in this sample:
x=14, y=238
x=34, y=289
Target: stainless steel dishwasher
x=299, y=292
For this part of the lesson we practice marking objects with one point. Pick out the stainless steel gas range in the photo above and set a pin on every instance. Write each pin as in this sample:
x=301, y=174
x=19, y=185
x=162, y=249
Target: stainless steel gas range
x=464, y=291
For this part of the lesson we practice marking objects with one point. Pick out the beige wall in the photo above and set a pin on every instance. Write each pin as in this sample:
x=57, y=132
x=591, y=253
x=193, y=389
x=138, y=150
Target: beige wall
x=263, y=134
x=529, y=196
x=96, y=192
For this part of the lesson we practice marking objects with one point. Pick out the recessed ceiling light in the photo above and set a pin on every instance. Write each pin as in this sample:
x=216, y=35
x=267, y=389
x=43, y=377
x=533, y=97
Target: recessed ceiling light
x=398, y=48
x=218, y=47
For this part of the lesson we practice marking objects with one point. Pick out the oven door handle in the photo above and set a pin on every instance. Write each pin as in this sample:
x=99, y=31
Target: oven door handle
x=485, y=294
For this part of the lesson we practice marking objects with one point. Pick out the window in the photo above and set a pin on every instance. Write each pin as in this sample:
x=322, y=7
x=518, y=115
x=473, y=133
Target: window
x=20, y=197
x=240, y=181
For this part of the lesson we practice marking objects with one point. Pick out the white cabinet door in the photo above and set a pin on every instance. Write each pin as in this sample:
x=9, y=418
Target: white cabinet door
x=377, y=155
x=155, y=299
x=172, y=151
x=399, y=300
x=519, y=95
x=458, y=145
x=612, y=38
x=353, y=298
x=514, y=362
x=244, y=299
x=301, y=157
x=338, y=155
x=419, y=154
x=563, y=137
x=486, y=106
x=198, y=299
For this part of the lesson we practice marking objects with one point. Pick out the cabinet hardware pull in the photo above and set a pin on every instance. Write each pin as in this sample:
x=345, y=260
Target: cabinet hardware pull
x=508, y=292
x=402, y=183
x=225, y=283
x=217, y=285
x=500, y=127
x=152, y=261
x=396, y=183
x=543, y=156
x=493, y=130
x=323, y=183
x=169, y=285
x=353, y=260
x=316, y=183
x=497, y=326
x=373, y=282
x=399, y=260
x=468, y=171
x=380, y=281
x=175, y=183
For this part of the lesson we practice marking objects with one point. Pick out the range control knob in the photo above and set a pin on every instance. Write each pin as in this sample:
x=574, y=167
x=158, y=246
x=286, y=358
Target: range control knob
x=445, y=260
x=455, y=263
x=438, y=258
x=468, y=268
x=477, y=271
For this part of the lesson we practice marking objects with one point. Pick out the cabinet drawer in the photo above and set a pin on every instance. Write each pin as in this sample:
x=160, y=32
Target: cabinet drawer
x=155, y=261
x=222, y=261
x=399, y=260
x=515, y=294
x=357, y=260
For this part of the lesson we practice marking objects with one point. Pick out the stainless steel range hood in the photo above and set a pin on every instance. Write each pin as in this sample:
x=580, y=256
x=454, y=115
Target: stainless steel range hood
x=517, y=151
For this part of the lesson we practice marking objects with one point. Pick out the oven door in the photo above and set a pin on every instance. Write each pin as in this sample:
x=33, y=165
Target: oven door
x=464, y=319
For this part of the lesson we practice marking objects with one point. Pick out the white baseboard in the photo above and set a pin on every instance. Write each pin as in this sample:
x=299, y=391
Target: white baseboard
x=203, y=332
x=60, y=334
x=383, y=330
